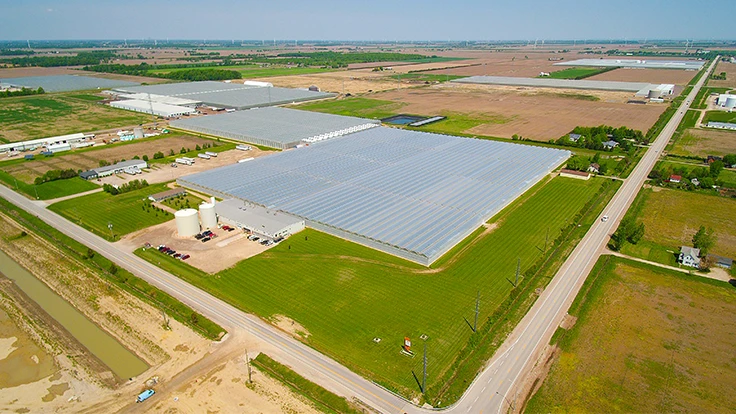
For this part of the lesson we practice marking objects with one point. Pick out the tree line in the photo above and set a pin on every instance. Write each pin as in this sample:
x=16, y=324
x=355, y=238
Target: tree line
x=145, y=69
x=80, y=59
x=22, y=92
x=594, y=137
x=53, y=175
x=127, y=187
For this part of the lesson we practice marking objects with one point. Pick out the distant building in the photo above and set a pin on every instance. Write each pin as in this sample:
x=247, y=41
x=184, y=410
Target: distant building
x=594, y=168
x=695, y=182
x=314, y=88
x=726, y=100
x=721, y=125
x=580, y=175
x=721, y=261
x=129, y=167
x=689, y=256
x=713, y=158
x=611, y=144
x=675, y=178
x=575, y=137
x=164, y=195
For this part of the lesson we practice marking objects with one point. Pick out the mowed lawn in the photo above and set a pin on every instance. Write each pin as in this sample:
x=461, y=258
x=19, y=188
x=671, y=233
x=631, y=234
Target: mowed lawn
x=646, y=340
x=125, y=211
x=42, y=116
x=672, y=217
x=345, y=294
x=360, y=107
x=576, y=73
x=48, y=190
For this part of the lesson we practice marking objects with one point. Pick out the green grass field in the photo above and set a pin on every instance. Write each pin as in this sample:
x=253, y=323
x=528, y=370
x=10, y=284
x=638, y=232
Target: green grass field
x=360, y=107
x=719, y=116
x=672, y=217
x=48, y=190
x=87, y=97
x=646, y=340
x=125, y=211
x=575, y=73
x=458, y=123
x=345, y=294
x=43, y=116
x=255, y=71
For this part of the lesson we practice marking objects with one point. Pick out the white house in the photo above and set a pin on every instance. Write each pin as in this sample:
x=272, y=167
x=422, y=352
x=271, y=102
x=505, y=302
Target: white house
x=689, y=256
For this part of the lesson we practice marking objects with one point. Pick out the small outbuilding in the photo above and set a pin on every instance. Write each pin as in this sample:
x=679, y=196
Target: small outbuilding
x=165, y=195
x=610, y=144
x=580, y=175
x=721, y=261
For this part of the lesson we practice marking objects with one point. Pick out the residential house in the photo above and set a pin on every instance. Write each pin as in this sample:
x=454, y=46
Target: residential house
x=610, y=144
x=575, y=137
x=594, y=168
x=675, y=178
x=689, y=256
x=713, y=158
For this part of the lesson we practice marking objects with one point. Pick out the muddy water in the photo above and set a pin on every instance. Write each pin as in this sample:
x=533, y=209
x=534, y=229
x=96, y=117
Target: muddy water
x=107, y=349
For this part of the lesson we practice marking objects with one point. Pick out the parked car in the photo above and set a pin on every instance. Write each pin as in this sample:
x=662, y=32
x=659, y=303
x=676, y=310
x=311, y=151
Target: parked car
x=177, y=256
x=144, y=395
x=185, y=257
x=199, y=236
x=265, y=242
x=206, y=239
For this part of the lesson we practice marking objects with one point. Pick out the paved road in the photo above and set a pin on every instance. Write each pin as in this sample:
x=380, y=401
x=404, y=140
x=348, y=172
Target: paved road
x=488, y=393
x=494, y=389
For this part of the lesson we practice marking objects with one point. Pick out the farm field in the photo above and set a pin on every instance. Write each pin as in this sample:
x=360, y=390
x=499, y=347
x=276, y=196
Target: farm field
x=645, y=340
x=538, y=114
x=341, y=295
x=88, y=158
x=341, y=81
x=719, y=116
x=656, y=76
x=704, y=142
x=127, y=212
x=31, y=117
x=527, y=64
x=253, y=71
x=730, y=81
x=672, y=217
x=575, y=73
x=360, y=107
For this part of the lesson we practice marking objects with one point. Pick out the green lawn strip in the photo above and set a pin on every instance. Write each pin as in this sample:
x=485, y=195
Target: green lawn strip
x=629, y=367
x=48, y=190
x=345, y=294
x=719, y=116
x=87, y=97
x=457, y=122
x=577, y=73
x=325, y=400
x=32, y=116
x=120, y=277
x=360, y=107
x=126, y=212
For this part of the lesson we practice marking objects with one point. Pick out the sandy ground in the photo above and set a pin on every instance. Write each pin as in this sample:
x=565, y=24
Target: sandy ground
x=673, y=76
x=159, y=173
x=539, y=114
x=220, y=253
x=730, y=69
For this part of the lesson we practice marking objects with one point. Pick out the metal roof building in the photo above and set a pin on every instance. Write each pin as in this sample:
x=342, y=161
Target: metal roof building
x=636, y=63
x=556, y=83
x=66, y=83
x=148, y=107
x=229, y=95
x=411, y=194
x=275, y=127
x=169, y=100
x=258, y=220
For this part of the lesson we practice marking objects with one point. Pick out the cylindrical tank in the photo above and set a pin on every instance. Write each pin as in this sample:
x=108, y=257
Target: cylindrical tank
x=138, y=132
x=187, y=222
x=731, y=101
x=207, y=215
x=654, y=93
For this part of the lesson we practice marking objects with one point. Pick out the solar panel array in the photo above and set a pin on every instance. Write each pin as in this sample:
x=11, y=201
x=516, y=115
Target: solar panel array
x=273, y=126
x=411, y=194
x=229, y=95
x=66, y=83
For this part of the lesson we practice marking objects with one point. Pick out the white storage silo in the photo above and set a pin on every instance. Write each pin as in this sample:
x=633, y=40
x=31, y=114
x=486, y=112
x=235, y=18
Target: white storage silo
x=207, y=215
x=730, y=101
x=138, y=132
x=187, y=222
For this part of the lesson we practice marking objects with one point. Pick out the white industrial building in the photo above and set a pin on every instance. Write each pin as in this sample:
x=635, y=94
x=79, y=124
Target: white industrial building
x=653, y=91
x=725, y=100
x=156, y=108
x=164, y=99
x=44, y=142
x=258, y=220
x=59, y=147
x=129, y=167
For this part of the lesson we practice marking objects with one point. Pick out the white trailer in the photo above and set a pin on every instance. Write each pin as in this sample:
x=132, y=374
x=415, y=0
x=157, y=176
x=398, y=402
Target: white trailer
x=243, y=147
x=183, y=161
x=211, y=154
x=204, y=156
x=245, y=160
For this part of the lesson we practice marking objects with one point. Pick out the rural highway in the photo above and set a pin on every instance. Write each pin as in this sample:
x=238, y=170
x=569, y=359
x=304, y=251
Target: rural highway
x=492, y=389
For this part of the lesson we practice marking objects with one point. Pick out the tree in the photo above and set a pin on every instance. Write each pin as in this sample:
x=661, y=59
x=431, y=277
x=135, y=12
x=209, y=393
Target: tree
x=715, y=168
x=171, y=153
x=729, y=160
x=145, y=158
x=704, y=239
x=158, y=155
x=197, y=147
x=628, y=231
x=596, y=157
x=183, y=150
x=578, y=163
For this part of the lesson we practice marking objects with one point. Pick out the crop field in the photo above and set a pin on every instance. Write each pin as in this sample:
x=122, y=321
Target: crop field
x=646, y=340
x=503, y=112
x=719, y=116
x=672, y=217
x=31, y=117
x=656, y=76
x=576, y=73
x=254, y=71
x=360, y=107
x=730, y=81
x=344, y=294
x=84, y=159
x=704, y=142
x=526, y=64
x=127, y=212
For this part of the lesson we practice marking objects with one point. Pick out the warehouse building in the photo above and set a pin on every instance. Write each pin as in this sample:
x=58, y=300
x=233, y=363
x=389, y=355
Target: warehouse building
x=258, y=220
x=129, y=167
x=641, y=89
x=42, y=142
x=168, y=100
x=725, y=100
x=722, y=125
x=66, y=83
x=411, y=194
x=228, y=95
x=636, y=63
x=155, y=108
x=276, y=127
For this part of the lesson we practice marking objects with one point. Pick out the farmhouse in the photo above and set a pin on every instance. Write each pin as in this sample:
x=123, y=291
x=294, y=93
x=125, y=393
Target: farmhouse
x=129, y=167
x=689, y=256
x=594, y=168
x=575, y=137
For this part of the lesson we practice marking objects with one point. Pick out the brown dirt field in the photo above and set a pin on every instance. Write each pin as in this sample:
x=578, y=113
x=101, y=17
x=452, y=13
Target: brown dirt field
x=730, y=69
x=506, y=64
x=355, y=81
x=539, y=114
x=33, y=71
x=703, y=142
x=29, y=170
x=673, y=76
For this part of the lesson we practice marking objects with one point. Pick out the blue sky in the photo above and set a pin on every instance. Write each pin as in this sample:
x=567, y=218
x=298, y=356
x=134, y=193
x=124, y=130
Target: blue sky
x=367, y=20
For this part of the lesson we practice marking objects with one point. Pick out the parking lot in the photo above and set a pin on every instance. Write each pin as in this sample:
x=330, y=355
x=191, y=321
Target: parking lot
x=220, y=252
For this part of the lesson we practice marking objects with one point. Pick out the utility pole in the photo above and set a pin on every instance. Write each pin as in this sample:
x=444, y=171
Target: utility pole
x=477, y=307
x=518, y=268
x=546, y=239
x=424, y=377
x=109, y=226
x=247, y=361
